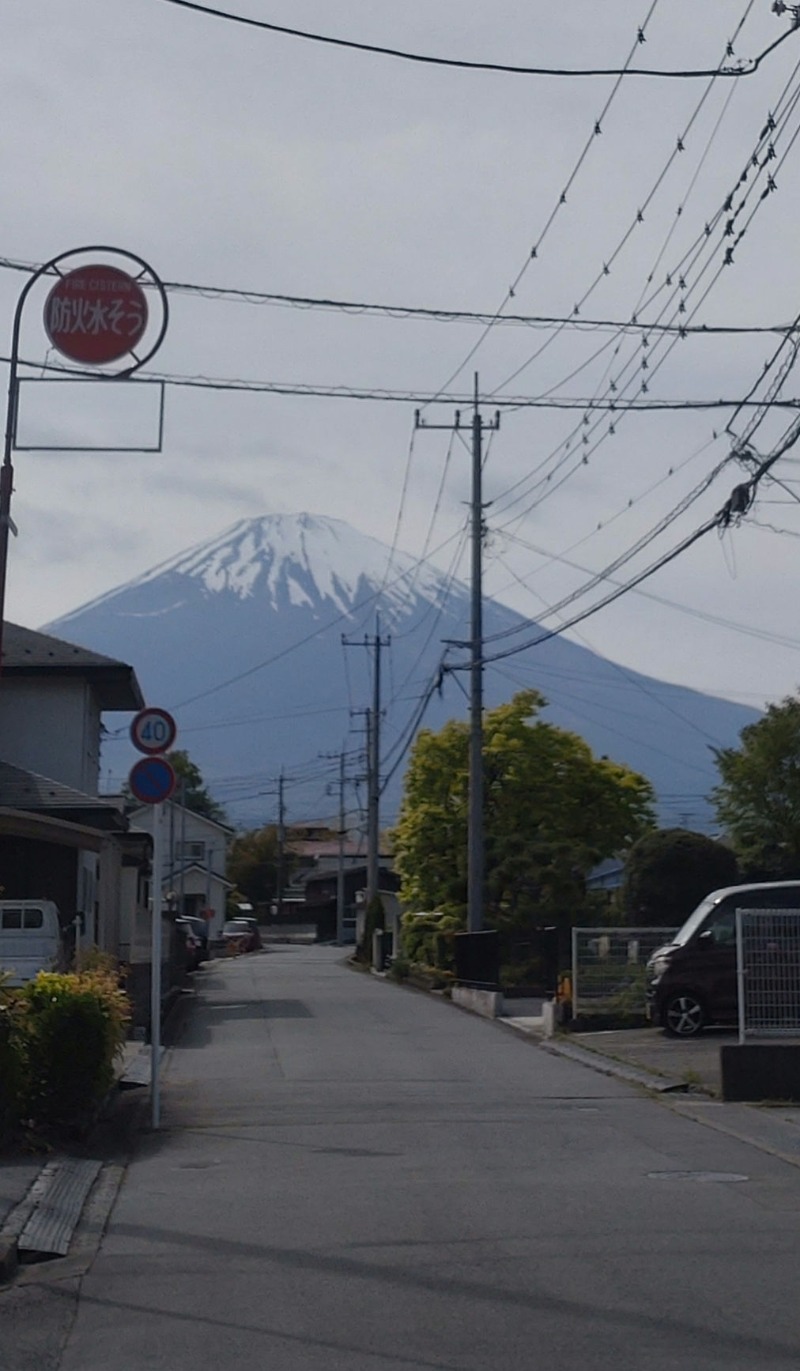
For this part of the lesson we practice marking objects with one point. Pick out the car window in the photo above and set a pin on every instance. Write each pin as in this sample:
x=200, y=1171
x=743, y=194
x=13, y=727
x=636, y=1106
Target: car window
x=722, y=928
x=12, y=918
x=33, y=918
x=693, y=923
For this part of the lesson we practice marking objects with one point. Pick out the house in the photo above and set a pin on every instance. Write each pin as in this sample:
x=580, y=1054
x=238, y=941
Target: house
x=195, y=859
x=320, y=900
x=55, y=830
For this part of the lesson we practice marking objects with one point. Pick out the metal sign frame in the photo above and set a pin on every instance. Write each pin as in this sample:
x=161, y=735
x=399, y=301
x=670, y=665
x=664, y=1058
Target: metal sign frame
x=156, y=447
x=54, y=268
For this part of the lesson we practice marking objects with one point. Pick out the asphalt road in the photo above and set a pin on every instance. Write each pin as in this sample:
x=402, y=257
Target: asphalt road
x=357, y=1177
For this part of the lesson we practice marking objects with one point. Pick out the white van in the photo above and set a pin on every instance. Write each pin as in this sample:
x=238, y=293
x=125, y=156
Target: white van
x=30, y=938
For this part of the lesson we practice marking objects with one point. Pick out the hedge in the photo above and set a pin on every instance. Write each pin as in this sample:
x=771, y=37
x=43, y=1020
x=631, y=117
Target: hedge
x=59, y=1037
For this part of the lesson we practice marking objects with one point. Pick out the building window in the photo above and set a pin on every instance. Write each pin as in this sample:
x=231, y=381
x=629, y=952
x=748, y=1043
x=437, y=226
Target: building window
x=190, y=852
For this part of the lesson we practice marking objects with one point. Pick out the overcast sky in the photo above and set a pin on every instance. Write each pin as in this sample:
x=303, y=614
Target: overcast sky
x=227, y=156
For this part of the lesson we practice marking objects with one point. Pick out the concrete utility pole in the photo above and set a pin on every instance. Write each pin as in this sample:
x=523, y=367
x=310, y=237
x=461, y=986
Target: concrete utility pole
x=281, y=844
x=373, y=757
x=342, y=834
x=475, y=840
x=340, y=864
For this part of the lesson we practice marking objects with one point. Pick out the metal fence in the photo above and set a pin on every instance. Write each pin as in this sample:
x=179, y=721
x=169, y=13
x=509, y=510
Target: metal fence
x=608, y=968
x=768, y=972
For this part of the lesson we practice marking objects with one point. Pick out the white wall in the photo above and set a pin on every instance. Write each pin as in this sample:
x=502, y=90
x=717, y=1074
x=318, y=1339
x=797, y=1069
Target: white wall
x=52, y=728
x=182, y=826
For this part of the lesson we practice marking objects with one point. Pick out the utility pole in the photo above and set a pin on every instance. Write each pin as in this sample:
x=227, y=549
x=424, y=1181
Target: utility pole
x=340, y=757
x=373, y=756
x=340, y=864
x=475, y=840
x=342, y=835
x=281, y=843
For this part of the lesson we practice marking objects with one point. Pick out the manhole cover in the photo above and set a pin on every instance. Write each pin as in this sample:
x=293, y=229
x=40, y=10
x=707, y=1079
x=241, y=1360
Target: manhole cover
x=718, y=1177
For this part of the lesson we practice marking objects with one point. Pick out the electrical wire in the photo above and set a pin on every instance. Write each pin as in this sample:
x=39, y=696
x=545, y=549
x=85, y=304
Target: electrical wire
x=735, y=507
x=562, y=200
x=742, y=68
x=764, y=143
x=242, y=295
x=546, y=483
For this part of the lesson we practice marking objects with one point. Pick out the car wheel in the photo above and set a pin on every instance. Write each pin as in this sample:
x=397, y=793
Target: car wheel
x=683, y=1015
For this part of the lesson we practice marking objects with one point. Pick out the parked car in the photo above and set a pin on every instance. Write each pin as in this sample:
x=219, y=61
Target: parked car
x=691, y=981
x=30, y=939
x=238, y=936
x=200, y=929
x=247, y=919
x=189, y=942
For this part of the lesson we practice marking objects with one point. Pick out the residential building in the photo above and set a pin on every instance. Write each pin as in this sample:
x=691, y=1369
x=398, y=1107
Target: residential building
x=55, y=830
x=195, y=858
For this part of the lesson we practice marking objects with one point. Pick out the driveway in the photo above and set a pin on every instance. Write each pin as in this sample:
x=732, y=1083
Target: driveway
x=695, y=1061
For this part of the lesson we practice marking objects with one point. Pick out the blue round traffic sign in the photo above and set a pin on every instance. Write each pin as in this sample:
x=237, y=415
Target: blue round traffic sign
x=152, y=780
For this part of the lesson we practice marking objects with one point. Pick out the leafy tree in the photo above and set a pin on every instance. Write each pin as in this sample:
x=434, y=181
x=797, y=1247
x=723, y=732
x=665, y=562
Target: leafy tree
x=668, y=873
x=758, y=797
x=253, y=864
x=552, y=811
x=191, y=789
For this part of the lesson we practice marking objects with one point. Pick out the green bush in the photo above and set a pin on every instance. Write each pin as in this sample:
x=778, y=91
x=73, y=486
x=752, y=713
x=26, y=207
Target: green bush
x=11, y=1069
x=429, y=939
x=67, y=1033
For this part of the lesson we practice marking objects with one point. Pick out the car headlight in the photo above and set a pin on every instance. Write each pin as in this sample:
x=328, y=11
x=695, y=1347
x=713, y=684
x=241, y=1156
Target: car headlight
x=656, y=969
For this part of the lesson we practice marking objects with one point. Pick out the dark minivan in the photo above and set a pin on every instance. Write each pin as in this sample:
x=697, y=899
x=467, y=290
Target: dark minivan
x=691, y=981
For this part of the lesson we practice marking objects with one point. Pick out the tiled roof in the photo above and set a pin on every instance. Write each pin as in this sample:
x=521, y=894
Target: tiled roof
x=39, y=794
x=28, y=653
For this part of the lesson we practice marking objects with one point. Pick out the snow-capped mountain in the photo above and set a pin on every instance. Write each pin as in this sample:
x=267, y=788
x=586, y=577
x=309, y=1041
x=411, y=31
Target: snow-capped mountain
x=241, y=637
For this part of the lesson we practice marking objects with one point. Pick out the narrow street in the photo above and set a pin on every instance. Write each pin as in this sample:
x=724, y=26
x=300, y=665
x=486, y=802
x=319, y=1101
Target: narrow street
x=354, y=1176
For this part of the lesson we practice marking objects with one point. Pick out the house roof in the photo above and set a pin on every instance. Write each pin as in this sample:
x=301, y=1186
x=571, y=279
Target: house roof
x=170, y=877
x=26, y=790
x=27, y=653
x=140, y=813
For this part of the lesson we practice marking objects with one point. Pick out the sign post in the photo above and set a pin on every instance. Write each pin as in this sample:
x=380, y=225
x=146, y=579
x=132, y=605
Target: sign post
x=155, y=969
x=96, y=315
x=152, y=781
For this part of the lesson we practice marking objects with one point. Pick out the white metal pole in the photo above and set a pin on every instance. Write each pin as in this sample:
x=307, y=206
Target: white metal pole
x=155, y=981
x=740, y=974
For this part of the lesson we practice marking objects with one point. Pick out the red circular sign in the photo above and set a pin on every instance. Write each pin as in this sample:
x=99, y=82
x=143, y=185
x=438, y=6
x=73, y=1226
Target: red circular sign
x=153, y=730
x=95, y=314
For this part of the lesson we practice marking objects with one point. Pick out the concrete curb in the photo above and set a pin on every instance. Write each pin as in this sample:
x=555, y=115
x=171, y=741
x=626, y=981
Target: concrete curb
x=597, y=1061
x=609, y=1066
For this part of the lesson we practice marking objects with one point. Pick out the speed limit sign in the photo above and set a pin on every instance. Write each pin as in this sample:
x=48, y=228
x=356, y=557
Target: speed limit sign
x=153, y=730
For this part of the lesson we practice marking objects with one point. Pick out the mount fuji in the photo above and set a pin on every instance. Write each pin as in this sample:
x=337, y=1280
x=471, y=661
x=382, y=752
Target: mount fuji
x=241, y=638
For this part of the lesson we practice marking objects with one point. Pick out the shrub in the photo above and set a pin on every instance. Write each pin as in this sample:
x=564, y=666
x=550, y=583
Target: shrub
x=11, y=1069
x=668, y=873
x=429, y=939
x=69, y=1031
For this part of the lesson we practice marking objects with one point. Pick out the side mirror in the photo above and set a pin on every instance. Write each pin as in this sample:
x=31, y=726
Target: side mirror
x=708, y=935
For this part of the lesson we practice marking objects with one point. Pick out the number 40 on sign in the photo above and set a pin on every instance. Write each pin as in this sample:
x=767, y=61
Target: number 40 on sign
x=153, y=730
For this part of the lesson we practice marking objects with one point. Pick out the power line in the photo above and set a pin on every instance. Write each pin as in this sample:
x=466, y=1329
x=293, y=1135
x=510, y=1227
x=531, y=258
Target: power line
x=409, y=397
x=682, y=288
x=585, y=324
x=743, y=67
x=560, y=202
x=734, y=509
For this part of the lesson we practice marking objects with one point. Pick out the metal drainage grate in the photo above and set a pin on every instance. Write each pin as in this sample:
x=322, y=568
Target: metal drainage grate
x=58, y=1197
x=710, y=1177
